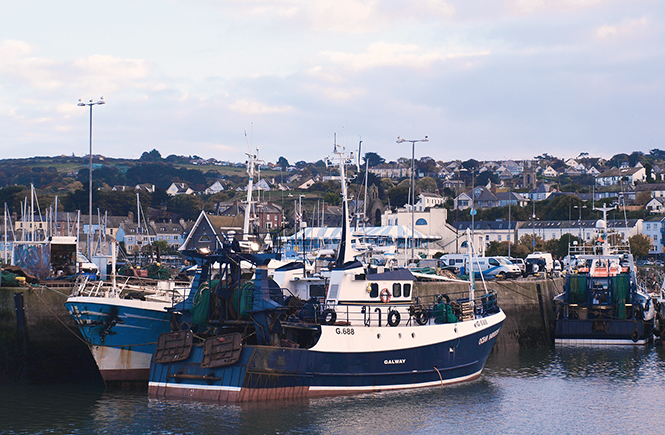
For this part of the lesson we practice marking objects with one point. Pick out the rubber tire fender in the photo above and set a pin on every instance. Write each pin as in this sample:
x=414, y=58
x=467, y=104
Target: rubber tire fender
x=422, y=317
x=394, y=318
x=329, y=316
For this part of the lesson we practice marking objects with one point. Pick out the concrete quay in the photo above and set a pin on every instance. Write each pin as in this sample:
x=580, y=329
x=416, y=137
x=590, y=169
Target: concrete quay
x=39, y=342
x=527, y=303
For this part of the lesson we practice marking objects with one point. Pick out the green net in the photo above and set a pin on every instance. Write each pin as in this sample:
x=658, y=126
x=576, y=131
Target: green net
x=243, y=300
x=620, y=286
x=9, y=279
x=156, y=271
x=201, y=306
x=443, y=313
x=577, y=285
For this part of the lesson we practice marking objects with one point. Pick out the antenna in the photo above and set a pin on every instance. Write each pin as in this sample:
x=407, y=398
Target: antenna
x=249, y=147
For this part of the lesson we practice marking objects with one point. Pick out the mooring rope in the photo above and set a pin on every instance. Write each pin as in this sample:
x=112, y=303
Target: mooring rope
x=440, y=377
x=54, y=314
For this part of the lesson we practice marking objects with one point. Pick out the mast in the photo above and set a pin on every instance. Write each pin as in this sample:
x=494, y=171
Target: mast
x=344, y=254
x=32, y=212
x=5, y=245
x=472, y=277
x=603, y=235
x=250, y=186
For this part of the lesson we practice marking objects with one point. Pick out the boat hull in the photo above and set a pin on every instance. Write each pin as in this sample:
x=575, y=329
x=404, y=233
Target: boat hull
x=590, y=332
x=401, y=358
x=121, y=334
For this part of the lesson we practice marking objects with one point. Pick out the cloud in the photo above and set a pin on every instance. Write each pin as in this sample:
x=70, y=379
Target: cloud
x=382, y=54
x=338, y=16
x=15, y=62
x=253, y=107
x=537, y=6
x=109, y=73
x=93, y=73
x=625, y=28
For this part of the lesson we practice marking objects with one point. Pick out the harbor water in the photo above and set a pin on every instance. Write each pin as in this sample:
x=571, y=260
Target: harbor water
x=547, y=390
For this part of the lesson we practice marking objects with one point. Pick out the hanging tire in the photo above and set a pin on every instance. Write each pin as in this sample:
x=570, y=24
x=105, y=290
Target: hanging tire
x=393, y=318
x=635, y=336
x=422, y=317
x=329, y=316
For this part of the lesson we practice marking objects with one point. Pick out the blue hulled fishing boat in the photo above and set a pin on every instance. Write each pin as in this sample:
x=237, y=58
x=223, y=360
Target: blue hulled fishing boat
x=243, y=340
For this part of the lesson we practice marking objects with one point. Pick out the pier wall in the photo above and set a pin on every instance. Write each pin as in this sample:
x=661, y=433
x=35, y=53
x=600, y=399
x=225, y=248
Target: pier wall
x=39, y=342
x=527, y=303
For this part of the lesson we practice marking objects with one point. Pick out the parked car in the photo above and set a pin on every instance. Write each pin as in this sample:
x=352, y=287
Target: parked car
x=539, y=262
x=519, y=262
x=493, y=267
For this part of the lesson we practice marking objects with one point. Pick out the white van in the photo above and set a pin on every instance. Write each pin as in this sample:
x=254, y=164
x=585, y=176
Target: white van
x=453, y=262
x=499, y=267
x=85, y=266
x=539, y=262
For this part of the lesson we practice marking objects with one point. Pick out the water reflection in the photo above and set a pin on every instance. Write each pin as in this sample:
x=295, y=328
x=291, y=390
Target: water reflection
x=47, y=409
x=551, y=390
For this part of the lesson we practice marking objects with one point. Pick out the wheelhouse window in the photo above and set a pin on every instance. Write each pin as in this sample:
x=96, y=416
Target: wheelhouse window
x=397, y=290
x=407, y=290
x=374, y=292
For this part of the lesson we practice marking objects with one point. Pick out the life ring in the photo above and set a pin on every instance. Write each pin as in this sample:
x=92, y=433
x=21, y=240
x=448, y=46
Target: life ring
x=393, y=318
x=385, y=295
x=329, y=316
x=635, y=336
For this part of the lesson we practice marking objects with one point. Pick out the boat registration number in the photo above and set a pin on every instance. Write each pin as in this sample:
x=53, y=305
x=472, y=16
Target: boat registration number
x=345, y=331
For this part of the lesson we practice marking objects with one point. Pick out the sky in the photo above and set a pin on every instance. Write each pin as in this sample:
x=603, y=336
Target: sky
x=481, y=79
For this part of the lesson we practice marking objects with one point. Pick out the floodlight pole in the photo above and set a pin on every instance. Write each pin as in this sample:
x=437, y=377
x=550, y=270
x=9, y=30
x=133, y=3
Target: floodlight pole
x=413, y=189
x=90, y=104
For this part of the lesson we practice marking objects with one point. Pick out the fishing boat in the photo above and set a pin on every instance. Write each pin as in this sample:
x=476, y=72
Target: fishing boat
x=246, y=340
x=602, y=302
x=121, y=318
x=120, y=321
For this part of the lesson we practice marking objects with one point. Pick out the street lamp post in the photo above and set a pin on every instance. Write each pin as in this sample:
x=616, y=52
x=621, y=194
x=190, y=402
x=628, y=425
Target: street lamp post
x=89, y=241
x=533, y=226
x=579, y=220
x=413, y=190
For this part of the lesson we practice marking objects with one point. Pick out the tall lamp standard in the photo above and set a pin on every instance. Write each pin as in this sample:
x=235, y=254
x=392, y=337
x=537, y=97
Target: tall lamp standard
x=579, y=221
x=90, y=104
x=413, y=189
